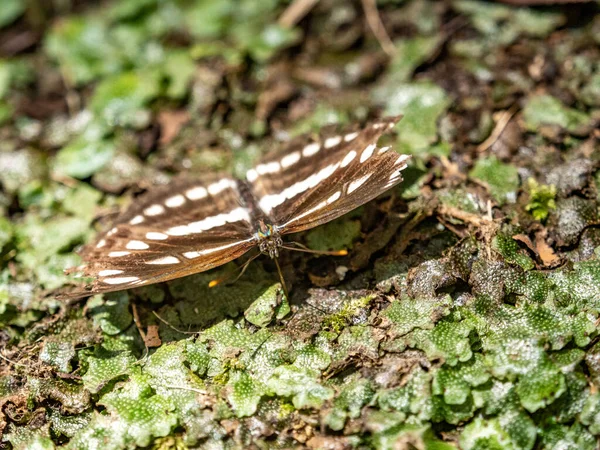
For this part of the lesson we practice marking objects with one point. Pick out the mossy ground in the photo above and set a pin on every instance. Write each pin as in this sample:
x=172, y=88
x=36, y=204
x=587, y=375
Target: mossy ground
x=466, y=314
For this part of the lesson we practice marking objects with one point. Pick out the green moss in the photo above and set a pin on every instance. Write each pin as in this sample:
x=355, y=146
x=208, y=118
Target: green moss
x=422, y=104
x=502, y=180
x=541, y=199
x=509, y=249
x=337, y=235
x=547, y=110
x=336, y=322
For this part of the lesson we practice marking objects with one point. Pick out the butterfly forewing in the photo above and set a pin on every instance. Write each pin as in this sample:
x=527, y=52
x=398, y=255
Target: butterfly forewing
x=324, y=179
x=183, y=228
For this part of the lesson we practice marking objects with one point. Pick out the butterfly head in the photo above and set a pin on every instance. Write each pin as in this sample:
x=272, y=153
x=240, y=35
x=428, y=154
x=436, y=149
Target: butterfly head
x=269, y=240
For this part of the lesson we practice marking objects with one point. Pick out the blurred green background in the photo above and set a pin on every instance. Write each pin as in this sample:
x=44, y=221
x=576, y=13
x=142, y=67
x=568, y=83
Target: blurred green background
x=466, y=314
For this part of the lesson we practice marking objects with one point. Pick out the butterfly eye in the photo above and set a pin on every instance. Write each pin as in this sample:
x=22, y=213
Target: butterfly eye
x=265, y=232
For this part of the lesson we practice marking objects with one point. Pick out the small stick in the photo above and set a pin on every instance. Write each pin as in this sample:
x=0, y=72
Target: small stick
x=171, y=326
x=283, y=285
x=499, y=128
x=296, y=12
x=376, y=26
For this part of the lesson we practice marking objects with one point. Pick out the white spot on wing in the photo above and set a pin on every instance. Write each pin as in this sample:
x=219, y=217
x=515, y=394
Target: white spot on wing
x=268, y=202
x=348, y=158
x=120, y=280
x=334, y=197
x=383, y=150
x=181, y=230
x=367, y=153
x=109, y=272
x=350, y=136
x=101, y=243
x=291, y=159
x=354, y=185
x=155, y=236
x=175, y=201
x=332, y=141
x=219, y=220
x=118, y=254
x=311, y=149
x=197, y=254
x=196, y=193
x=251, y=175
x=136, y=220
x=220, y=186
x=154, y=210
x=402, y=159
x=164, y=260
x=272, y=167
x=137, y=245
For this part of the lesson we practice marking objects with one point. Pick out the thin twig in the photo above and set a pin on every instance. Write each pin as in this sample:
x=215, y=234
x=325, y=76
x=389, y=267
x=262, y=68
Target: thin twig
x=376, y=26
x=171, y=326
x=296, y=12
x=12, y=362
x=499, y=128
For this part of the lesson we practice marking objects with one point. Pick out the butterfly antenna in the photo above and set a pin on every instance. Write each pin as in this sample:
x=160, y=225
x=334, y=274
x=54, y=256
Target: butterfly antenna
x=228, y=276
x=281, y=279
x=305, y=249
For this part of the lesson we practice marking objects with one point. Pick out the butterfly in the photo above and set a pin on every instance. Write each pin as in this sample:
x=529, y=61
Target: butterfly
x=191, y=226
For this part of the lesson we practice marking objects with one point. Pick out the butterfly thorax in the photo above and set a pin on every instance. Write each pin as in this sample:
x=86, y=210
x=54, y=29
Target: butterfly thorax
x=269, y=240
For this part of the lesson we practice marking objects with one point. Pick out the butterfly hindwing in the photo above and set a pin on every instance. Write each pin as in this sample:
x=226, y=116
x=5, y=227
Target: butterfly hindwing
x=180, y=229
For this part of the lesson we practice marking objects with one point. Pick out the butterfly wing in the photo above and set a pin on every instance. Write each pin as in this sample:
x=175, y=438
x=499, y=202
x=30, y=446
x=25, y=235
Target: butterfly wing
x=183, y=228
x=313, y=184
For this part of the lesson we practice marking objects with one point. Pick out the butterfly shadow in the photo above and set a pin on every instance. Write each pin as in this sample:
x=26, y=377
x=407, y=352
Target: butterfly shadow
x=188, y=305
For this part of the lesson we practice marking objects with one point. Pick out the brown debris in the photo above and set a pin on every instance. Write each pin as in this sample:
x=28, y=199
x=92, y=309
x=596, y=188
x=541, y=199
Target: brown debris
x=170, y=122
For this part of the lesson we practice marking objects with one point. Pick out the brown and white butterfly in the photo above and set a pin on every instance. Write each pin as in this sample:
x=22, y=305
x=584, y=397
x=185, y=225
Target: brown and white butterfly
x=192, y=226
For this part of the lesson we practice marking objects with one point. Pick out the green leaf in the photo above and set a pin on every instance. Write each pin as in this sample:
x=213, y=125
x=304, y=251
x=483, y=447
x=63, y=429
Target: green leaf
x=58, y=354
x=337, y=235
x=547, y=110
x=105, y=366
x=244, y=393
x=10, y=11
x=121, y=100
x=266, y=307
x=82, y=158
x=299, y=384
x=502, y=180
x=142, y=414
x=422, y=104
x=112, y=314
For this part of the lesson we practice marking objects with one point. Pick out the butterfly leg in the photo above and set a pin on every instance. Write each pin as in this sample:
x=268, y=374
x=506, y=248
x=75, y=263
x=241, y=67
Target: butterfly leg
x=282, y=280
x=305, y=249
x=228, y=276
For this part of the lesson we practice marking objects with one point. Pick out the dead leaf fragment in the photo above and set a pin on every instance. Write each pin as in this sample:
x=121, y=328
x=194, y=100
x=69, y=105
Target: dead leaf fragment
x=170, y=124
